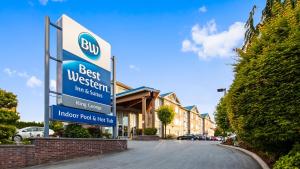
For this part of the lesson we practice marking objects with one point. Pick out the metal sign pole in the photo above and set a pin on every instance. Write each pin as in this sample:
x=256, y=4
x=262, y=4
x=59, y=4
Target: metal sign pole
x=46, y=76
x=114, y=106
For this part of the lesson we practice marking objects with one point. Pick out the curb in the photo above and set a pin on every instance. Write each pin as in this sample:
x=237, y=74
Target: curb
x=249, y=153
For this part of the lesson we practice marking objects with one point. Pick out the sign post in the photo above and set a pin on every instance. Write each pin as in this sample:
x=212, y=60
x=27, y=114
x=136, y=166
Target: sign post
x=84, y=90
x=114, y=96
x=46, y=80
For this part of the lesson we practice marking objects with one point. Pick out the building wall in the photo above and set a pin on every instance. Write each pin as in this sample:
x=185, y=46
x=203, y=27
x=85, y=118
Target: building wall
x=208, y=128
x=179, y=126
x=196, y=126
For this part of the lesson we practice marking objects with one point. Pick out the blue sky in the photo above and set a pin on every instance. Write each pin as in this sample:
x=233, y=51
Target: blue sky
x=181, y=46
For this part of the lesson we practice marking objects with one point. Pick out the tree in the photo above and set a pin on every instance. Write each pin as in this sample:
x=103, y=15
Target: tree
x=166, y=115
x=8, y=115
x=8, y=100
x=263, y=101
x=221, y=117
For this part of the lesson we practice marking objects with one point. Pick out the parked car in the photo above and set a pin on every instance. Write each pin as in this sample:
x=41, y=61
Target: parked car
x=200, y=137
x=30, y=132
x=187, y=137
x=213, y=138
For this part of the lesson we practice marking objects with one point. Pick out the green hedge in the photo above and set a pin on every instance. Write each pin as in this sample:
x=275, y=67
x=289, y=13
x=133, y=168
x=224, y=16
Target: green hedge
x=76, y=131
x=23, y=124
x=7, y=131
x=150, y=131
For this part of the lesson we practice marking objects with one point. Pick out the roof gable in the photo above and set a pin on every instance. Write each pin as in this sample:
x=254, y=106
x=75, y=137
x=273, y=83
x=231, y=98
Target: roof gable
x=193, y=108
x=205, y=115
x=171, y=96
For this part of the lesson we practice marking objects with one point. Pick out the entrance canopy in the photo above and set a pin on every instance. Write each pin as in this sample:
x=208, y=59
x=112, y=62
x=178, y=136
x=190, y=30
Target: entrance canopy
x=138, y=100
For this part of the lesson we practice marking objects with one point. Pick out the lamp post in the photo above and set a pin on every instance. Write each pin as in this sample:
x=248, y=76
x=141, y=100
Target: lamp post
x=222, y=90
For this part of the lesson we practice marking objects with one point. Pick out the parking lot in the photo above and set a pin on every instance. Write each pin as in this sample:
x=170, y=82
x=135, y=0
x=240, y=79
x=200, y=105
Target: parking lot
x=163, y=155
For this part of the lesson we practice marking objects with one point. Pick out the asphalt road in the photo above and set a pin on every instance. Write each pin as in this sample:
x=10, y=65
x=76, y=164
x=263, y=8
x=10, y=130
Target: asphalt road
x=163, y=155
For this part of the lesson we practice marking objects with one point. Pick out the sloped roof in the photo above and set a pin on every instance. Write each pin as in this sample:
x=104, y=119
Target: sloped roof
x=171, y=93
x=189, y=107
x=165, y=94
x=204, y=115
x=139, y=89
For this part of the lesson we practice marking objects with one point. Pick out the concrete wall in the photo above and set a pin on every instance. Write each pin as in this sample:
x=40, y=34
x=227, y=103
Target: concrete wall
x=44, y=150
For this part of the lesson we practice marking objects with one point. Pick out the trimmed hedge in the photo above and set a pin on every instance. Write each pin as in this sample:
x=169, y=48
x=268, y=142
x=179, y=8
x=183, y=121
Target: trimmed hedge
x=23, y=124
x=150, y=131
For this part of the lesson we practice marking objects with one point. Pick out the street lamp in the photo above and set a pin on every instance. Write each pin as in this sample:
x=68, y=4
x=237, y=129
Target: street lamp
x=222, y=90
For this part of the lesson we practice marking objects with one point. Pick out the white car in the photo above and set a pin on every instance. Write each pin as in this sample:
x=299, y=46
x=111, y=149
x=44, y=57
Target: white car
x=30, y=132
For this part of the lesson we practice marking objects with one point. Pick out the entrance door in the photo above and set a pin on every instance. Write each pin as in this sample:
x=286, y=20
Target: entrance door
x=123, y=122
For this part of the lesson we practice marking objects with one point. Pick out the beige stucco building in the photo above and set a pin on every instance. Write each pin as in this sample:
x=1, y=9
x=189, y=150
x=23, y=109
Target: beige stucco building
x=136, y=109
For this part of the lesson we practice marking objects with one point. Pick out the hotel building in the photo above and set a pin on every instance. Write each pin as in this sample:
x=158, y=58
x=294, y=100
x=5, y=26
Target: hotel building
x=136, y=109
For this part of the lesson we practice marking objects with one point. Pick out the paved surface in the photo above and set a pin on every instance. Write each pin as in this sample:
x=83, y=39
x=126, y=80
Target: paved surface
x=164, y=155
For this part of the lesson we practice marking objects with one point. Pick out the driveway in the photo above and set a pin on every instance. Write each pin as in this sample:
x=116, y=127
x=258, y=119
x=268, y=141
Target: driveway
x=163, y=155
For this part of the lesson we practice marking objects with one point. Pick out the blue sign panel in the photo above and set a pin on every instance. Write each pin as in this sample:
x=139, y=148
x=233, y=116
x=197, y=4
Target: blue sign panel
x=85, y=80
x=62, y=113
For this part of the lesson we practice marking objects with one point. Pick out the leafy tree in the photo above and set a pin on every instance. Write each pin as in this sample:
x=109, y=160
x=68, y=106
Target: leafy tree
x=218, y=132
x=264, y=101
x=8, y=100
x=166, y=115
x=8, y=115
x=221, y=117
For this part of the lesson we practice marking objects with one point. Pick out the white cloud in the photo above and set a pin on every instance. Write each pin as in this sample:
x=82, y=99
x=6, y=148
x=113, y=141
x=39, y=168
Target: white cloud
x=44, y=2
x=23, y=74
x=207, y=42
x=133, y=67
x=203, y=9
x=53, y=85
x=9, y=71
x=33, y=82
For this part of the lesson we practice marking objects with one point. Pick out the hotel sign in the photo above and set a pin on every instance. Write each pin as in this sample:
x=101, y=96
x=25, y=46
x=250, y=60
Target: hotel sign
x=63, y=113
x=85, y=69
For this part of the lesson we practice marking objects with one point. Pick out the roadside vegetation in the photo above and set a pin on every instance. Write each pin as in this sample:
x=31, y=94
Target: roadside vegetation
x=10, y=122
x=262, y=105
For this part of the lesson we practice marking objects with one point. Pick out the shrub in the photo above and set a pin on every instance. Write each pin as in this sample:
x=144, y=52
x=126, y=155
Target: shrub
x=171, y=136
x=150, y=131
x=291, y=160
x=56, y=126
x=288, y=162
x=7, y=131
x=76, y=131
